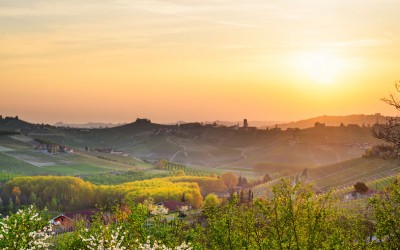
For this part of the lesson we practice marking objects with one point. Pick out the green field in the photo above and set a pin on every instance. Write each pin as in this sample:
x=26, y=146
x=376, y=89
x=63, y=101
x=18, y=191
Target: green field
x=10, y=143
x=17, y=158
x=9, y=164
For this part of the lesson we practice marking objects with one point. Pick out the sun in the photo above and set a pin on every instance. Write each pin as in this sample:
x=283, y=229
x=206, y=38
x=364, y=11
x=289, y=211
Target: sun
x=321, y=67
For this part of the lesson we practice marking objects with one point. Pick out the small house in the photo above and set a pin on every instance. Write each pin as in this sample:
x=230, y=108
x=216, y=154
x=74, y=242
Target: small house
x=172, y=206
x=66, y=222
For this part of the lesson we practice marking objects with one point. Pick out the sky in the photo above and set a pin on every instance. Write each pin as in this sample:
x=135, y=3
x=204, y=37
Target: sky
x=195, y=60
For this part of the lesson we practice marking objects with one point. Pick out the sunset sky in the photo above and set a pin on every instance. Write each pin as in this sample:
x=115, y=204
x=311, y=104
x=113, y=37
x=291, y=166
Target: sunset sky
x=196, y=60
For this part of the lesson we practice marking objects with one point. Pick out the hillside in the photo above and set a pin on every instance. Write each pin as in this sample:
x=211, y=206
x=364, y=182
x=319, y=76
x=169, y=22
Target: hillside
x=19, y=156
x=10, y=124
x=349, y=172
x=341, y=177
x=208, y=147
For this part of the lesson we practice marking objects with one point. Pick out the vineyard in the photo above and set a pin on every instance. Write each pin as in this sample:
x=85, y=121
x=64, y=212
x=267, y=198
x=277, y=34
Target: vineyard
x=10, y=167
x=175, y=167
x=378, y=184
x=376, y=173
x=349, y=172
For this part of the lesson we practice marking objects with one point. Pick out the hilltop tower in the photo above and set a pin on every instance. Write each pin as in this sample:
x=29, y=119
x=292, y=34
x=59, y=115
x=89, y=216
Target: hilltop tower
x=245, y=124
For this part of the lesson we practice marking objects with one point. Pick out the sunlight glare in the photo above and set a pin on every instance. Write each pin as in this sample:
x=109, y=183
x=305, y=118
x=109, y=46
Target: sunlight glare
x=322, y=67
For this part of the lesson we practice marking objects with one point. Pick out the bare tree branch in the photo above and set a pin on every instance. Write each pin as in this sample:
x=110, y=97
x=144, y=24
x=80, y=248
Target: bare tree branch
x=390, y=131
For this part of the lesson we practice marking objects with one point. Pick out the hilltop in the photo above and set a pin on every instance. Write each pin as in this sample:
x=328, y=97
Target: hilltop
x=366, y=120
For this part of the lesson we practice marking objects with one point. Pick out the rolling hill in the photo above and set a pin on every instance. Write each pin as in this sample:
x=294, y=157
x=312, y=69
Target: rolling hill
x=208, y=147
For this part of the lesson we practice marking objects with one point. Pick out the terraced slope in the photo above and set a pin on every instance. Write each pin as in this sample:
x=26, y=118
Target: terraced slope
x=377, y=173
x=347, y=173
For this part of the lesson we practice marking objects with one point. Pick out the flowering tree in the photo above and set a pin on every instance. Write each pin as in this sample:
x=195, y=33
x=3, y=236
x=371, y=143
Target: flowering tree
x=26, y=229
x=159, y=210
x=157, y=245
x=103, y=237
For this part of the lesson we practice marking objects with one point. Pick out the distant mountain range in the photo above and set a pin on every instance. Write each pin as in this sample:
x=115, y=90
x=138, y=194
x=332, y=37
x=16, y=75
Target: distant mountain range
x=88, y=125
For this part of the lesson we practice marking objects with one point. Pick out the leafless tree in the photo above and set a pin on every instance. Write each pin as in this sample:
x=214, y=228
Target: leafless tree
x=390, y=131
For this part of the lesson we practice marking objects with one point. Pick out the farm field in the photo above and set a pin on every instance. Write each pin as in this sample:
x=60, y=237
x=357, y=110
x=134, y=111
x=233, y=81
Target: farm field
x=376, y=173
x=17, y=158
x=8, y=142
x=216, y=147
x=9, y=164
x=349, y=172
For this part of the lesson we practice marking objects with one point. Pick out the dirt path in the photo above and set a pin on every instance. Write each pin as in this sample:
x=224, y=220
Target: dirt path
x=183, y=150
x=243, y=157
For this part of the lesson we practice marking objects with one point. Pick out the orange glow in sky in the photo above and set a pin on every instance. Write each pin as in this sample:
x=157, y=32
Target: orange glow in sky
x=171, y=60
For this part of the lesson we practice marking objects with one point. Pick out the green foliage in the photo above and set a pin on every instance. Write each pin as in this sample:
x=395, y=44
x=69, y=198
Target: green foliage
x=386, y=210
x=293, y=217
x=211, y=202
x=62, y=193
x=290, y=217
x=178, y=169
x=298, y=219
x=207, y=184
x=116, y=178
x=26, y=229
x=53, y=192
x=133, y=229
x=161, y=189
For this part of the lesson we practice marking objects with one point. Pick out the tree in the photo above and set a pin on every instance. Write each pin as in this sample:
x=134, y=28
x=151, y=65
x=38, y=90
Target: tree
x=17, y=192
x=26, y=229
x=360, y=187
x=230, y=180
x=242, y=181
x=298, y=219
x=386, y=208
x=180, y=173
x=390, y=131
x=266, y=178
x=211, y=201
x=1, y=206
